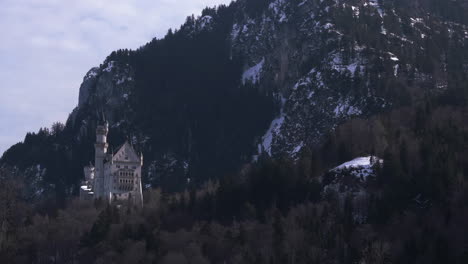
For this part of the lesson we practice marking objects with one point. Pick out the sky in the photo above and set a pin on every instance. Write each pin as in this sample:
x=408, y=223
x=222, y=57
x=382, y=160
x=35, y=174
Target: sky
x=47, y=46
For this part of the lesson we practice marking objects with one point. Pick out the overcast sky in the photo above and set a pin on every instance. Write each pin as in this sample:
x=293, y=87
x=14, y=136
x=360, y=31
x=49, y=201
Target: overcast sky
x=47, y=46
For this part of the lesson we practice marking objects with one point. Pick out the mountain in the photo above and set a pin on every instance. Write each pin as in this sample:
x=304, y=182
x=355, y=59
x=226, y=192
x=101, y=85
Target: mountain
x=273, y=131
x=254, y=80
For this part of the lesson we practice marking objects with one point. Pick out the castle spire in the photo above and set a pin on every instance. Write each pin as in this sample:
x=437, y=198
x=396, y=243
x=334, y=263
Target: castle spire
x=100, y=154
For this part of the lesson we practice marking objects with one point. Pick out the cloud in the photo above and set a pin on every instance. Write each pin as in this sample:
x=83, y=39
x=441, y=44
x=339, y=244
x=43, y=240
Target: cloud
x=48, y=45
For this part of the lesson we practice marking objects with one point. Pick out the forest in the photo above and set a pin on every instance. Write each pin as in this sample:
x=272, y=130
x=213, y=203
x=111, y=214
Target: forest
x=190, y=102
x=276, y=211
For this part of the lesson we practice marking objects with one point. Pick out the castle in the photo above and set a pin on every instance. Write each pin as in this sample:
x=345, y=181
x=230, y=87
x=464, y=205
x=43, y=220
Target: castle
x=115, y=178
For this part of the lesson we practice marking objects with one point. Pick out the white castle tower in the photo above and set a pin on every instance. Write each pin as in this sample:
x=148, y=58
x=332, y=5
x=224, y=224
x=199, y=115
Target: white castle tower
x=114, y=178
x=100, y=148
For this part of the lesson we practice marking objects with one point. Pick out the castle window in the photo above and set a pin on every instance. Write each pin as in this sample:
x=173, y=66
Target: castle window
x=118, y=166
x=134, y=167
x=126, y=167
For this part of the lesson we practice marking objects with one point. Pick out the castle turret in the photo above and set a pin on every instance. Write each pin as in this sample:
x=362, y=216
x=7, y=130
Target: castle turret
x=100, y=155
x=89, y=173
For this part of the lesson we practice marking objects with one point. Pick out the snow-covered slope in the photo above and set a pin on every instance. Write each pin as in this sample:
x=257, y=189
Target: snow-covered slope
x=351, y=181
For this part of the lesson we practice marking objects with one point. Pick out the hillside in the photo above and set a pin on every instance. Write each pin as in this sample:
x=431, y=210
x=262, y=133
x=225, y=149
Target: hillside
x=273, y=77
x=273, y=131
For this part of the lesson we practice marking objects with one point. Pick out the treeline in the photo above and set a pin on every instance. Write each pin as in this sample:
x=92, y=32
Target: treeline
x=277, y=211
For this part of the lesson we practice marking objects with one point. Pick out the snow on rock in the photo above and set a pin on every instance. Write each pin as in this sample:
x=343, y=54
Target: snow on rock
x=110, y=66
x=302, y=3
x=120, y=81
x=339, y=65
x=349, y=180
x=124, y=79
x=272, y=132
x=328, y=26
x=376, y=5
x=395, y=69
x=360, y=169
x=206, y=22
x=86, y=87
x=302, y=82
x=383, y=31
x=278, y=8
x=235, y=31
x=356, y=11
x=297, y=149
x=345, y=109
x=91, y=74
x=393, y=57
x=364, y=162
x=402, y=39
x=253, y=74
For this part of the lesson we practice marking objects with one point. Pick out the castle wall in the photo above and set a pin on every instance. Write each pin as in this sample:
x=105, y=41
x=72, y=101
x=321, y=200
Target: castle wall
x=126, y=182
x=119, y=179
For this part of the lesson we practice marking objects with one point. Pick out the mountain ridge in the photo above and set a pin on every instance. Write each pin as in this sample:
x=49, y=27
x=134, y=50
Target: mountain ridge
x=273, y=77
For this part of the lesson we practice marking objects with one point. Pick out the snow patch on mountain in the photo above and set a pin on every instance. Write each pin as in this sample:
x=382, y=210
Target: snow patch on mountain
x=206, y=23
x=350, y=181
x=278, y=8
x=273, y=131
x=253, y=74
x=376, y=5
x=91, y=74
x=359, y=169
x=345, y=108
x=364, y=163
x=339, y=65
x=235, y=31
x=110, y=66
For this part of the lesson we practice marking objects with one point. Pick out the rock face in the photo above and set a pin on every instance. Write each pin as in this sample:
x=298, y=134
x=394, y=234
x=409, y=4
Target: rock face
x=108, y=87
x=86, y=88
x=104, y=95
x=326, y=67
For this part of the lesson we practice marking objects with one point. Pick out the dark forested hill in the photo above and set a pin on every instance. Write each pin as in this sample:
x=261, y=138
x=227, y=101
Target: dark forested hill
x=273, y=131
x=255, y=79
